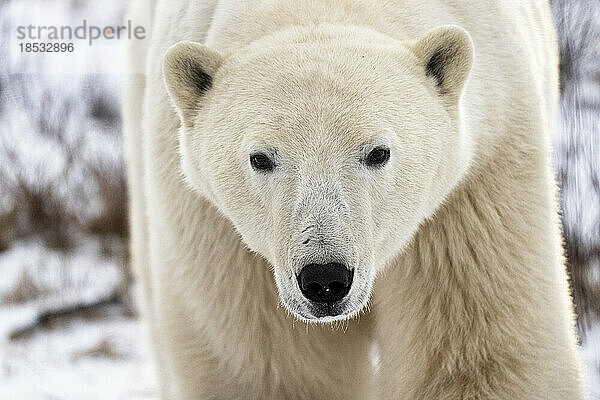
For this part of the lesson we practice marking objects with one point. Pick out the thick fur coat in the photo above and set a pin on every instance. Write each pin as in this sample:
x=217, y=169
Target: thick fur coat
x=454, y=243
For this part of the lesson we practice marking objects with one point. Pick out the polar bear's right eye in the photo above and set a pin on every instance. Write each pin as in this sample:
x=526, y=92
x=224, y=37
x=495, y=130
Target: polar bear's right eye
x=261, y=162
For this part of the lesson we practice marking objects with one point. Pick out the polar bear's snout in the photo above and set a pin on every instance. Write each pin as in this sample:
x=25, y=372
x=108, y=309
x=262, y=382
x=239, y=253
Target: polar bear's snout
x=325, y=283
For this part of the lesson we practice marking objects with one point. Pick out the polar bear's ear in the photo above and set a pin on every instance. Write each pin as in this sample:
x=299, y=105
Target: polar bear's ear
x=188, y=70
x=446, y=56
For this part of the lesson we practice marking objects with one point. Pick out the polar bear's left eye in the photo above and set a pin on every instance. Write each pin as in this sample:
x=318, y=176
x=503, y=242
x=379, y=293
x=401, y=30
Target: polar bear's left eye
x=377, y=157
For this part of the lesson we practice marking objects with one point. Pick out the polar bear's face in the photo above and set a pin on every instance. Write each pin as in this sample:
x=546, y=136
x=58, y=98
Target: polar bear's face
x=326, y=152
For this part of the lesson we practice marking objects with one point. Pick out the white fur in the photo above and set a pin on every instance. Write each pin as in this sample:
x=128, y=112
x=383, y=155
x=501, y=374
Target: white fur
x=456, y=238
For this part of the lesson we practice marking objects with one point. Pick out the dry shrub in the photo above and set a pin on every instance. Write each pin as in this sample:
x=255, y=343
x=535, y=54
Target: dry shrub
x=24, y=291
x=105, y=349
x=7, y=222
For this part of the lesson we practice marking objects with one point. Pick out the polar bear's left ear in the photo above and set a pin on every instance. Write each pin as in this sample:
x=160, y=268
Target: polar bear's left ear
x=446, y=56
x=188, y=70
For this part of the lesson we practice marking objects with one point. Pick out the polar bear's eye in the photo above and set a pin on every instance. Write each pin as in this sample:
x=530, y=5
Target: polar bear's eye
x=261, y=162
x=378, y=157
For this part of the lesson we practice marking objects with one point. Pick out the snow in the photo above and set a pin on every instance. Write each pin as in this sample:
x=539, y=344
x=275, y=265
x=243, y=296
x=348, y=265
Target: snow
x=590, y=353
x=52, y=281
x=65, y=363
x=97, y=355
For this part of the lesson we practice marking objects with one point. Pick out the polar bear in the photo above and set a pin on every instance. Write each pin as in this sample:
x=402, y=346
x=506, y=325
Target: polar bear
x=313, y=183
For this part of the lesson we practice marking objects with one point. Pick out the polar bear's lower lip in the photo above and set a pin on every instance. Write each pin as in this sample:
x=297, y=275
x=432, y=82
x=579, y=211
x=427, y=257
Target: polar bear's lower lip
x=322, y=310
x=314, y=312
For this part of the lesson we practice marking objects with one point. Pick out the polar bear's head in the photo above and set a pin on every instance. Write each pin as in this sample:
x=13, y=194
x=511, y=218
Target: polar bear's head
x=326, y=147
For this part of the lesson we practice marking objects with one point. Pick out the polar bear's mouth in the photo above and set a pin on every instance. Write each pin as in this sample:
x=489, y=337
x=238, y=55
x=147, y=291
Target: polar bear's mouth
x=324, y=310
x=329, y=312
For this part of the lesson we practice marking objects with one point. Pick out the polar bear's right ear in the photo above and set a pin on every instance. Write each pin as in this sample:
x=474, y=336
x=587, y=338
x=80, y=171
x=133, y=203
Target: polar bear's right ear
x=188, y=70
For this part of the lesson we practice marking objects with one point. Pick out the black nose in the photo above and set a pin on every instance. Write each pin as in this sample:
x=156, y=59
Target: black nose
x=325, y=283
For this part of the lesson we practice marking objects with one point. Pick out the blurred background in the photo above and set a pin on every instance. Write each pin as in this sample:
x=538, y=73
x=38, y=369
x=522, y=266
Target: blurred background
x=69, y=328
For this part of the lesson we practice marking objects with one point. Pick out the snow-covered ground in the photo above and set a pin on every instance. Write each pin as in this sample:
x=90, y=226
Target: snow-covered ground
x=590, y=353
x=94, y=358
x=93, y=354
